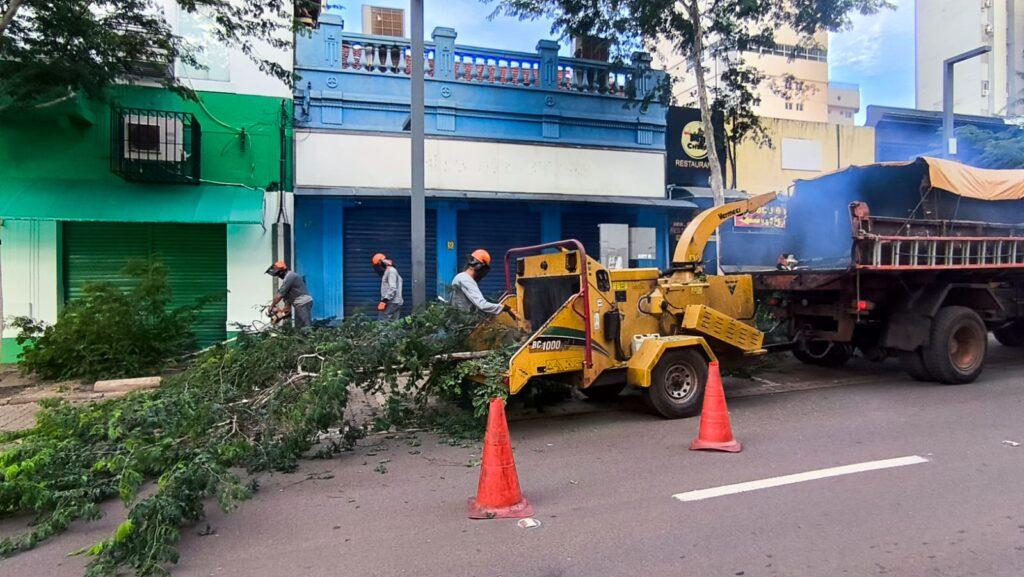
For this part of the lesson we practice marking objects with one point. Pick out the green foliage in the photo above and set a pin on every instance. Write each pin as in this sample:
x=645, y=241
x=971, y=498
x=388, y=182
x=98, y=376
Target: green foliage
x=110, y=333
x=258, y=405
x=51, y=50
x=991, y=149
x=721, y=31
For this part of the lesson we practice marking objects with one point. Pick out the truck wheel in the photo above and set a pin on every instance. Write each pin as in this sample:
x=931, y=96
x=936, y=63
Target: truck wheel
x=1012, y=335
x=913, y=365
x=603, y=392
x=956, y=350
x=677, y=384
x=822, y=353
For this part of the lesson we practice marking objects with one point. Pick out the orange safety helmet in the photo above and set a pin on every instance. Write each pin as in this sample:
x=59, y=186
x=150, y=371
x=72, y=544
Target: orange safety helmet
x=480, y=263
x=377, y=258
x=277, y=267
x=482, y=256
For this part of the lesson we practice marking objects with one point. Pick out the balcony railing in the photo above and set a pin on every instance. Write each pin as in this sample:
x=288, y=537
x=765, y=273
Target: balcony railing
x=544, y=69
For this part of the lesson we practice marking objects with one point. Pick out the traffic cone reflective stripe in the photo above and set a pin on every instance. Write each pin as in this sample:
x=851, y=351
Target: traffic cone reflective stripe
x=715, y=431
x=498, y=494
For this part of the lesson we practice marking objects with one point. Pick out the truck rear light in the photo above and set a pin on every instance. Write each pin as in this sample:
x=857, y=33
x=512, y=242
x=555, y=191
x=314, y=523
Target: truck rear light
x=863, y=306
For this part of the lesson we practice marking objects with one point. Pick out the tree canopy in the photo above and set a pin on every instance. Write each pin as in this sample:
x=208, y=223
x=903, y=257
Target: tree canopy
x=991, y=149
x=702, y=31
x=53, y=49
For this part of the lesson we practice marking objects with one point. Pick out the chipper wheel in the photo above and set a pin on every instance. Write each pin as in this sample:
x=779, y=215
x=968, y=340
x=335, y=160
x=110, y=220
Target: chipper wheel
x=677, y=384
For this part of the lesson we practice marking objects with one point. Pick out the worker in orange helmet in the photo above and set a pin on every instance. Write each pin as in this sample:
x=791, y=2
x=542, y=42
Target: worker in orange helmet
x=293, y=292
x=466, y=289
x=390, y=305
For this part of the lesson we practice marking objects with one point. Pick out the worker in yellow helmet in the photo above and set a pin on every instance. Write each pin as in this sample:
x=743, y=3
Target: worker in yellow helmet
x=466, y=289
x=390, y=306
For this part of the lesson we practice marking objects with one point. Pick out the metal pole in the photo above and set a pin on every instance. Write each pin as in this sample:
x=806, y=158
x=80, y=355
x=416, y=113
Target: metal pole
x=418, y=203
x=948, y=142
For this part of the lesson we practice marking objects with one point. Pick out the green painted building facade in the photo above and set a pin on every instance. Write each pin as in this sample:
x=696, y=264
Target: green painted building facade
x=86, y=186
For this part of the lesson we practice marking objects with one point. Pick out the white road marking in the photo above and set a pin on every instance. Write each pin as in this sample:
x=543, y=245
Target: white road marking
x=798, y=478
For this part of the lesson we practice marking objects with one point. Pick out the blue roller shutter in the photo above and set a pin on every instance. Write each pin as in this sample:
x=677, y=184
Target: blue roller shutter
x=370, y=229
x=195, y=255
x=496, y=230
x=581, y=224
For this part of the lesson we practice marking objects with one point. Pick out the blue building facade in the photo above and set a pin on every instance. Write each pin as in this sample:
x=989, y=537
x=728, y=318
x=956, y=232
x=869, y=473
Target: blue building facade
x=521, y=148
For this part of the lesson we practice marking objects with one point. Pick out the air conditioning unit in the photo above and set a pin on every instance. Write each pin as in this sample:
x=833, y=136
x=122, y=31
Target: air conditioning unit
x=153, y=138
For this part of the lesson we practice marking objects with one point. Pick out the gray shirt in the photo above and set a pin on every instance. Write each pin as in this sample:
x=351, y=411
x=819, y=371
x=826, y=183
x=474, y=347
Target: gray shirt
x=293, y=289
x=391, y=286
x=467, y=296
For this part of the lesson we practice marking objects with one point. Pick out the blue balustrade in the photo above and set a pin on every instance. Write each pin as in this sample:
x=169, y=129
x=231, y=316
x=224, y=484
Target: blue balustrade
x=360, y=82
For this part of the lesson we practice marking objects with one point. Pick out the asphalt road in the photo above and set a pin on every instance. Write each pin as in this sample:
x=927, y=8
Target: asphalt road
x=602, y=484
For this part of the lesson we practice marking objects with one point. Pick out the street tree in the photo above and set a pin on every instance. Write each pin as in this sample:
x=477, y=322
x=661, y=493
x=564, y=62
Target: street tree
x=991, y=148
x=702, y=31
x=52, y=50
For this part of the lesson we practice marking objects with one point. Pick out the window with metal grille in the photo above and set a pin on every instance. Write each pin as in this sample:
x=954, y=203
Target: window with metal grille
x=384, y=21
x=155, y=145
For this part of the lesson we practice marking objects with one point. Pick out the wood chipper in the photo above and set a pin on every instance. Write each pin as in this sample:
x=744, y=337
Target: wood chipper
x=602, y=329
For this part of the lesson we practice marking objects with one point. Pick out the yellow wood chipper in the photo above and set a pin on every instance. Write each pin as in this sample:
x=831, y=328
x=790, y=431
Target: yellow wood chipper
x=602, y=329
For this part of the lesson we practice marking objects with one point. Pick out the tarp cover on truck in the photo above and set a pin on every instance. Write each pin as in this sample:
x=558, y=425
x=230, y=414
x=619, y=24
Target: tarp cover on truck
x=818, y=230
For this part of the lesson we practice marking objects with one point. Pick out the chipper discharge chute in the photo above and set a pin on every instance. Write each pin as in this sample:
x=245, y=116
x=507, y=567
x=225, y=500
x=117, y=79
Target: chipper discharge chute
x=602, y=329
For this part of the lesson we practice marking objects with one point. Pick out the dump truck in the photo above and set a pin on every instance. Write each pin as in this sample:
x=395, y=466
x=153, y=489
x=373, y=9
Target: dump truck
x=918, y=260
x=602, y=329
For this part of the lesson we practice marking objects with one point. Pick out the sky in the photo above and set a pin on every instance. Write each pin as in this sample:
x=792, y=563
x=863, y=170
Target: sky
x=877, y=52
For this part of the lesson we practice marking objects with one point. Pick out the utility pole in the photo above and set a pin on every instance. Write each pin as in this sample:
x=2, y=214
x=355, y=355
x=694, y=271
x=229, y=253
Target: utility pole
x=417, y=194
x=948, y=139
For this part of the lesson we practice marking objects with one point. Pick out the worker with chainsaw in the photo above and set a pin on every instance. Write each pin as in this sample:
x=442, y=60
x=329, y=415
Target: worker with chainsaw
x=390, y=306
x=293, y=292
x=466, y=293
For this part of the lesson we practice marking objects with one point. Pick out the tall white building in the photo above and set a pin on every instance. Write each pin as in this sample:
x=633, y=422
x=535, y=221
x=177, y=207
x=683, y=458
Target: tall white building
x=988, y=85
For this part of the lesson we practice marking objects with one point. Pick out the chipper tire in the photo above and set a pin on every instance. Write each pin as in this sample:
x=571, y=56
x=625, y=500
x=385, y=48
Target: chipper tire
x=956, y=350
x=1012, y=335
x=913, y=365
x=677, y=384
x=822, y=353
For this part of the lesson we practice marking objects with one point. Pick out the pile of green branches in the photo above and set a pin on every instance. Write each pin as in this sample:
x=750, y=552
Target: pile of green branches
x=258, y=405
x=110, y=332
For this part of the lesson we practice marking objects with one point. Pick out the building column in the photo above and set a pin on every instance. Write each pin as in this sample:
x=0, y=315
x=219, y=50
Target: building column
x=333, y=250
x=551, y=224
x=447, y=248
x=30, y=258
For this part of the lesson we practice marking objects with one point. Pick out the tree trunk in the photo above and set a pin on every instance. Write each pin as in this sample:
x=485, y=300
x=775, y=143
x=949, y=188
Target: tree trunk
x=8, y=15
x=697, y=62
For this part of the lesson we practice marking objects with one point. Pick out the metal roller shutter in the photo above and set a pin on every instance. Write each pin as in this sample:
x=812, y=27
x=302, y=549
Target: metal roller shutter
x=195, y=255
x=581, y=224
x=496, y=230
x=372, y=229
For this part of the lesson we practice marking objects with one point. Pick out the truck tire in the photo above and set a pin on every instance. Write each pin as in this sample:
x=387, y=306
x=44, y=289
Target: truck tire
x=1012, y=335
x=913, y=365
x=956, y=350
x=603, y=392
x=677, y=384
x=822, y=353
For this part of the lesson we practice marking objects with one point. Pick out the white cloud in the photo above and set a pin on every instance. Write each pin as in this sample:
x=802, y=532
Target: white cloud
x=877, y=43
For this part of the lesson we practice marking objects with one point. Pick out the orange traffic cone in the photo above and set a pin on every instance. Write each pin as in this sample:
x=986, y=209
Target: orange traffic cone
x=715, y=430
x=498, y=494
